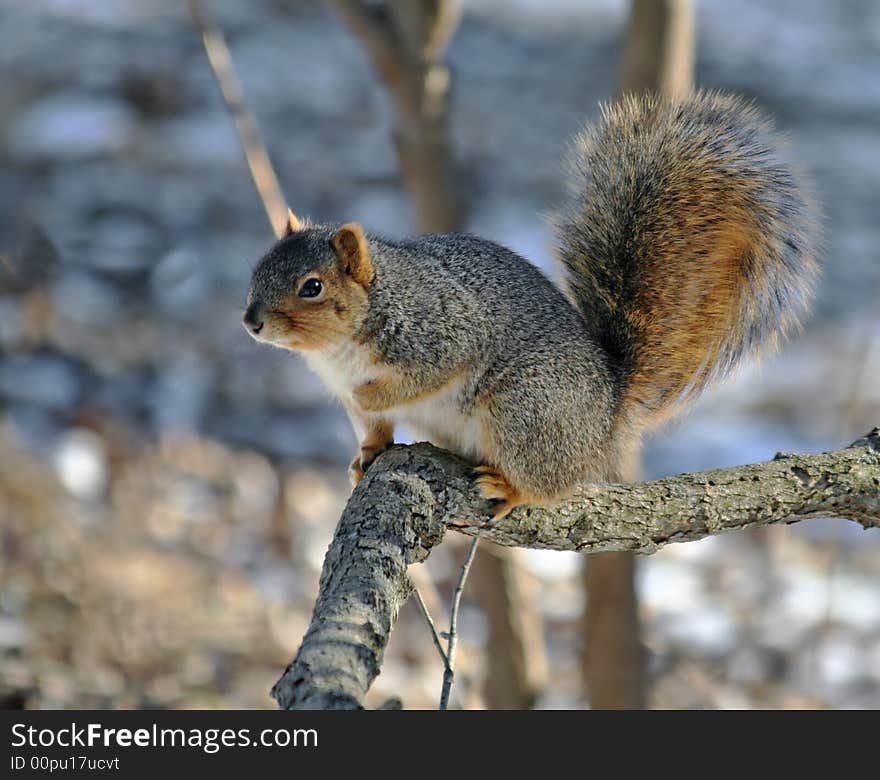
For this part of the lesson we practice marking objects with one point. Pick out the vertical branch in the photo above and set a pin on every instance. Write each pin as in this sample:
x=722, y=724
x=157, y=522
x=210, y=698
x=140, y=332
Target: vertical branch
x=659, y=51
x=658, y=57
x=613, y=659
x=435, y=637
x=422, y=135
x=613, y=663
x=507, y=592
x=406, y=41
x=248, y=133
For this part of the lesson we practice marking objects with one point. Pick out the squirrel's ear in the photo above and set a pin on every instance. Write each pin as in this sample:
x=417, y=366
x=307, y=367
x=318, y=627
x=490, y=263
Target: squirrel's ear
x=350, y=245
x=292, y=226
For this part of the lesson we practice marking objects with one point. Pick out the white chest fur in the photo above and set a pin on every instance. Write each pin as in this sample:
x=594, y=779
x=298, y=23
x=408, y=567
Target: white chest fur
x=343, y=368
x=438, y=418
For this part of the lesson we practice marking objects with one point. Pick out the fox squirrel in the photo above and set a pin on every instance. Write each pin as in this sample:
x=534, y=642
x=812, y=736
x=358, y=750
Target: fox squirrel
x=688, y=245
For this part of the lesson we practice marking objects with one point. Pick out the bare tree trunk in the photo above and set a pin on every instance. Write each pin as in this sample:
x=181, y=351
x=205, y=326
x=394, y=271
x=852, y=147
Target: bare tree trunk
x=406, y=41
x=659, y=51
x=658, y=57
x=516, y=666
x=613, y=658
x=613, y=663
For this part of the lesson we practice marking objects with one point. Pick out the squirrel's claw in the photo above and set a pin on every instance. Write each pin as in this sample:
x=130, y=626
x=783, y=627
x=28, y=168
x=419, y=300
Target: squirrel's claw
x=362, y=462
x=355, y=472
x=493, y=485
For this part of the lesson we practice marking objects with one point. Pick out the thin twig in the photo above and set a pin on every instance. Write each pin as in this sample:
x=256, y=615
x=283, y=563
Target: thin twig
x=449, y=671
x=429, y=601
x=429, y=620
x=248, y=133
x=422, y=579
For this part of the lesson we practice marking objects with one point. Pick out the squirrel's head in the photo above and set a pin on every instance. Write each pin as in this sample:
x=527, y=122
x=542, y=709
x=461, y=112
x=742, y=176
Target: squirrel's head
x=310, y=290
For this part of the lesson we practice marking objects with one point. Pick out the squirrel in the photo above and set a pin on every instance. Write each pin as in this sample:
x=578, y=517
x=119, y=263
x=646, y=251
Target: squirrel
x=689, y=243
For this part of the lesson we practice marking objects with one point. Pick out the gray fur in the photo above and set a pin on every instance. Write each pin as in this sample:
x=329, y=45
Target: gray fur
x=544, y=379
x=443, y=304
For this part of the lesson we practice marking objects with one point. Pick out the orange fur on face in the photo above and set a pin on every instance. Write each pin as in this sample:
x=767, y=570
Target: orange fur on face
x=335, y=313
x=351, y=248
x=317, y=323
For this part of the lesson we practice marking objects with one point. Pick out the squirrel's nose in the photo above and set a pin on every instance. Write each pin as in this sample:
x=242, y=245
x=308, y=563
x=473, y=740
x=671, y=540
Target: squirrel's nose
x=253, y=318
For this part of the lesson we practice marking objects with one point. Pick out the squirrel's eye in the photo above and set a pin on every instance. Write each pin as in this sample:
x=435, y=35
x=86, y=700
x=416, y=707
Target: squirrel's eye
x=311, y=288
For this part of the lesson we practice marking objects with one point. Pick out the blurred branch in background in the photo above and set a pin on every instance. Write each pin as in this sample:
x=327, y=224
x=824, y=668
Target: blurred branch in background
x=516, y=662
x=406, y=42
x=861, y=360
x=658, y=56
x=254, y=149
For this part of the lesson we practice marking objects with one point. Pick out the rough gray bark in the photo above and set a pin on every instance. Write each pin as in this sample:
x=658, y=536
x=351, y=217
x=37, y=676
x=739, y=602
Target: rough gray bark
x=411, y=494
x=393, y=519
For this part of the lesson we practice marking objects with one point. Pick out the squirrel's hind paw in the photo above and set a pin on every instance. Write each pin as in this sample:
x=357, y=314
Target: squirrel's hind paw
x=493, y=485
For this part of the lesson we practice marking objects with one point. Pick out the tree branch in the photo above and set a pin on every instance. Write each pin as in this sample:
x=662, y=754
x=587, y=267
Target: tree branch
x=373, y=27
x=410, y=495
x=452, y=641
x=405, y=41
x=252, y=145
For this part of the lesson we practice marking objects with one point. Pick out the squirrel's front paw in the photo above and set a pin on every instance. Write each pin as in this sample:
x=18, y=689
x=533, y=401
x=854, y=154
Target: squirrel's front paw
x=362, y=462
x=355, y=472
x=494, y=486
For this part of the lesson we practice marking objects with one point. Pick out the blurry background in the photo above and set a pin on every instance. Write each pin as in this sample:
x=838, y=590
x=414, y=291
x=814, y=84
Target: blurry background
x=168, y=488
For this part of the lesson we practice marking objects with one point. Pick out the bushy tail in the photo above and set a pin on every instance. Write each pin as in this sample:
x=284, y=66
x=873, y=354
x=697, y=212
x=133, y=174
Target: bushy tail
x=688, y=245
